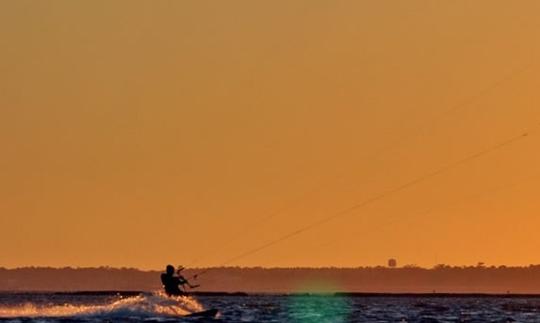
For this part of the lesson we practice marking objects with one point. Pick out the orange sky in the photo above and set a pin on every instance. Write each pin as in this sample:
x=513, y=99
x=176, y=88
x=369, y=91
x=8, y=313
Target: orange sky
x=141, y=133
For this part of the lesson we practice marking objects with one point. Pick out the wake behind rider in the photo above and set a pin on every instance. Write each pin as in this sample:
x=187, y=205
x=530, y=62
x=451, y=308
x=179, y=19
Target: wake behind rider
x=172, y=283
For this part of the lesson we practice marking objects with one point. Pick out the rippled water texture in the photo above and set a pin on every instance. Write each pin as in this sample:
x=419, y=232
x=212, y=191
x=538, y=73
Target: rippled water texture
x=155, y=307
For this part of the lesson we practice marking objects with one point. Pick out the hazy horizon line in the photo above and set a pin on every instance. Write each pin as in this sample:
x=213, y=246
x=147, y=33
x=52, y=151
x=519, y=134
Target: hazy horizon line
x=406, y=266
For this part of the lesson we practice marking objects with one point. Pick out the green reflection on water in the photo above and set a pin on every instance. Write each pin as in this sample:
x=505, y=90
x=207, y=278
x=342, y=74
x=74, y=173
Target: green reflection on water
x=315, y=302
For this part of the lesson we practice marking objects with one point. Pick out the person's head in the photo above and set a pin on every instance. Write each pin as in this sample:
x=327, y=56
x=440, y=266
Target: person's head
x=170, y=270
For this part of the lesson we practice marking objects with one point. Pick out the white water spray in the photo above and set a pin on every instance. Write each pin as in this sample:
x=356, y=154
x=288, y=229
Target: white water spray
x=146, y=305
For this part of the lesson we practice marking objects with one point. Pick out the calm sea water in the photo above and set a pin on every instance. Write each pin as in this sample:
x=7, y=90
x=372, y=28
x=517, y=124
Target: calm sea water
x=155, y=307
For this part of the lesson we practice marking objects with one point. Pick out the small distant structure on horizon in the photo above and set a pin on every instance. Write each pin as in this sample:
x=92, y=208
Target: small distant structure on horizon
x=392, y=263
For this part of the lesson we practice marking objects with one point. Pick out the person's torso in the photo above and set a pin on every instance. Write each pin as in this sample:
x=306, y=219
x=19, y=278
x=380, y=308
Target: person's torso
x=170, y=283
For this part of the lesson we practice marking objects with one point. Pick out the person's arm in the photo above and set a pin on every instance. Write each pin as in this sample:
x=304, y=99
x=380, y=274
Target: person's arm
x=185, y=281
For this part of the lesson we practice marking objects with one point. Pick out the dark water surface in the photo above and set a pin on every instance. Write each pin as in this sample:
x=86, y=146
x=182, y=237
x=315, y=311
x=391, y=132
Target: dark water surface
x=155, y=307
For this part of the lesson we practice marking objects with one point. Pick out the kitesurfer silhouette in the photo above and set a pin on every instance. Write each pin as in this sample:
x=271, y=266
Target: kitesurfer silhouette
x=171, y=283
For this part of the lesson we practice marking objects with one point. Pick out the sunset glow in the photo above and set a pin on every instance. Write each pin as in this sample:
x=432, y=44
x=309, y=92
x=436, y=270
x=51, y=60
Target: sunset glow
x=132, y=131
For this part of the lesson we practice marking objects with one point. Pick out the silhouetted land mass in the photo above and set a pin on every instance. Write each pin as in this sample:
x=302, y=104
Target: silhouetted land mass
x=441, y=279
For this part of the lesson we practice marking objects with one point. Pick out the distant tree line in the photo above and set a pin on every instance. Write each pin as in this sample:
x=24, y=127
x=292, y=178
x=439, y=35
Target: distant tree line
x=441, y=278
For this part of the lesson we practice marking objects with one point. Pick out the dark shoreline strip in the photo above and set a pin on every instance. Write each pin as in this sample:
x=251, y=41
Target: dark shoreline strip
x=439, y=295
x=243, y=294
